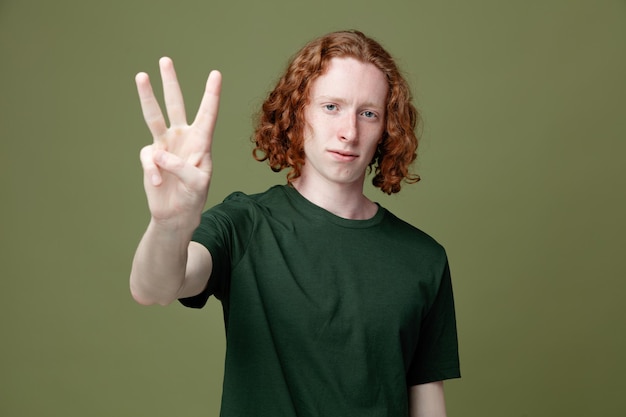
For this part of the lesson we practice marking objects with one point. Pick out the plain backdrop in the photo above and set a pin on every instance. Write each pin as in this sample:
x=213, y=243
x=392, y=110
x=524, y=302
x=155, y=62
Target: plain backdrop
x=522, y=160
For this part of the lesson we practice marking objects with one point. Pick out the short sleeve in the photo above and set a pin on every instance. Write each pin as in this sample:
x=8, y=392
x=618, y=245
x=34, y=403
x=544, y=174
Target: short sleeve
x=225, y=231
x=436, y=357
x=214, y=234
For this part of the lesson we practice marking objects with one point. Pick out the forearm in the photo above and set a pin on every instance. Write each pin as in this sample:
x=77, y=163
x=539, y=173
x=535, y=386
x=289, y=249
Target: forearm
x=159, y=265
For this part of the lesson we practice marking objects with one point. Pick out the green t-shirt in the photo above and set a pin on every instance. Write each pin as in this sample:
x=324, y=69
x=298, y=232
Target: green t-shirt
x=325, y=316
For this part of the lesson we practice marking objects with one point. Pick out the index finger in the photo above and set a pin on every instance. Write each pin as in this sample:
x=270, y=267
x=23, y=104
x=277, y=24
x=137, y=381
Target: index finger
x=206, y=117
x=150, y=106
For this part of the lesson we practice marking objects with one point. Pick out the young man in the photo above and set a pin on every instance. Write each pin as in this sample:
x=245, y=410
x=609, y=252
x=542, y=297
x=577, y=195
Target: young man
x=333, y=306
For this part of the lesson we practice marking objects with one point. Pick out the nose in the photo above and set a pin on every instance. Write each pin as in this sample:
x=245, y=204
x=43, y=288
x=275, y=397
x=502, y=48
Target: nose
x=348, y=129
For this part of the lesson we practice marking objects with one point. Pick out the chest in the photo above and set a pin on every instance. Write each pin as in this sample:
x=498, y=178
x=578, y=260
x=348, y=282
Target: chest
x=337, y=287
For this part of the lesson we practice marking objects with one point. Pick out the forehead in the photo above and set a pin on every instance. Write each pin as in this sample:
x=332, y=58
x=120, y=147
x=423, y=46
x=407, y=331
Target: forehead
x=351, y=80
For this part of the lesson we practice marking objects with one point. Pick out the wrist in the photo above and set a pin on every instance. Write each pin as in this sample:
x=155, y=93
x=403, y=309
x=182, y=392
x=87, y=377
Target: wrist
x=181, y=229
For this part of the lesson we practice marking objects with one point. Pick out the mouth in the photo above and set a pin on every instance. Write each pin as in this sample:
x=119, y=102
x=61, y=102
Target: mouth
x=343, y=155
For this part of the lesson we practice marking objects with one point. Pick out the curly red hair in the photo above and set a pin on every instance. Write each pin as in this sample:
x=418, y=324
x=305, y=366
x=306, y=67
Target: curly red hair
x=279, y=133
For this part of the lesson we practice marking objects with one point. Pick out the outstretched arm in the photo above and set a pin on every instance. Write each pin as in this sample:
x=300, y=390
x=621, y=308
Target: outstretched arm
x=427, y=400
x=177, y=169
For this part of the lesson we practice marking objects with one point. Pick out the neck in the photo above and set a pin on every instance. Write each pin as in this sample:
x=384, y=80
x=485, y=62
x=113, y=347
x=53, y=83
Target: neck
x=343, y=200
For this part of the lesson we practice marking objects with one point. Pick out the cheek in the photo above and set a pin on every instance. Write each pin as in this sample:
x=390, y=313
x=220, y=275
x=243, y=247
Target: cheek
x=376, y=140
x=375, y=135
x=307, y=137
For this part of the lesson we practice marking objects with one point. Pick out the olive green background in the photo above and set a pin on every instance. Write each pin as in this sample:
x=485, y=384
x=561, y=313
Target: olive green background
x=522, y=160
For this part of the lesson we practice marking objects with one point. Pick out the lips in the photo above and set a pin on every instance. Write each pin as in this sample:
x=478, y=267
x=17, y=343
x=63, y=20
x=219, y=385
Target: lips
x=343, y=155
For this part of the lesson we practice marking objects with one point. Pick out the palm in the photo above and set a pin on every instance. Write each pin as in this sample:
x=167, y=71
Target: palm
x=177, y=166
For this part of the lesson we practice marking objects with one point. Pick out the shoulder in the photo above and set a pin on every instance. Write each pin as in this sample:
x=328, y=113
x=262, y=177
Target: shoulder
x=236, y=219
x=411, y=236
x=272, y=195
x=405, y=228
x=239, y=207
x=241, y=199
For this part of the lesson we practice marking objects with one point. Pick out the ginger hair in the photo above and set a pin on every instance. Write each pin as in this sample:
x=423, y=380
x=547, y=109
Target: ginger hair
x=279, y=134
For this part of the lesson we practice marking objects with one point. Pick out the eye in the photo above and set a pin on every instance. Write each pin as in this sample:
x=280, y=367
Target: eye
x=369, y=114
x=330, y=107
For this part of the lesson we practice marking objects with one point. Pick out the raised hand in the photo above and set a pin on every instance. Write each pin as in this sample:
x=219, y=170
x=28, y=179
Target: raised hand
x=177, y=165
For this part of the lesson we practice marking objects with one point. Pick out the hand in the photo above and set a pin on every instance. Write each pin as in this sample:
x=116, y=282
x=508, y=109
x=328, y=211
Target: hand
x=177, y=166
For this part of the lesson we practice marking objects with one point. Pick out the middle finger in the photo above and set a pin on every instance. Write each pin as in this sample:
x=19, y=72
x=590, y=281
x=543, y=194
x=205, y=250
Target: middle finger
x=174, y=103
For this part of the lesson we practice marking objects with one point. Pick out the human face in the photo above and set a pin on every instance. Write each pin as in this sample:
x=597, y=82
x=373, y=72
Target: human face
x=345, y=118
